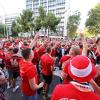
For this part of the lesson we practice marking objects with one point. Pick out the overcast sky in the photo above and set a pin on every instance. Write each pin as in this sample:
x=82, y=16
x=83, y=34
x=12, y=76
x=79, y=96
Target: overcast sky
x=16, y=6
x=11, y=6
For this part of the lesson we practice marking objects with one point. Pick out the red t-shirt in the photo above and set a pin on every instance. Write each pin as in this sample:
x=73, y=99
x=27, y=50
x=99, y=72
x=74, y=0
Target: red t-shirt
x=36, y=57
x=65, y=70
x=64, y=58
x=7, y=60
x=1, y=54
x=94, y=49
x=69, y=92
x=27, y=72
x=41, y=51
x=47, y=62
x=7, y=44
x=53, y=52
x=14, y=60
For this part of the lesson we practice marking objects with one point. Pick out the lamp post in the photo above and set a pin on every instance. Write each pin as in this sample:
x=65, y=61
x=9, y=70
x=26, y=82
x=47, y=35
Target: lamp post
x=67, y=14
x=4, y=18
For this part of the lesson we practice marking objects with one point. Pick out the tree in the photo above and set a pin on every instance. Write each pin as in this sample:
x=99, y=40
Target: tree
x=2, y=26
x=23, y=23
x=37, y=24
x=40, y=20
x=48, y=21
x=93, y=21
x=16, y=27
x=51, y=22
x=72, y=24
x=26, y=21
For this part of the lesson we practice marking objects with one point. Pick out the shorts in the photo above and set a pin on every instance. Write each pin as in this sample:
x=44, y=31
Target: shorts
x=10, y=74
x=30, y=97
x=47, y=78
x=15, y=74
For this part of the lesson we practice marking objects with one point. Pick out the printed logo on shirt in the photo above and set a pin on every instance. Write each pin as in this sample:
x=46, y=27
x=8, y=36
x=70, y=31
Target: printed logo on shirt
x=67, y=99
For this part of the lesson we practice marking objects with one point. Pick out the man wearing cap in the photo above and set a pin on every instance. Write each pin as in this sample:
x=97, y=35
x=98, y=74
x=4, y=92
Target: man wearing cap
x=81, y=70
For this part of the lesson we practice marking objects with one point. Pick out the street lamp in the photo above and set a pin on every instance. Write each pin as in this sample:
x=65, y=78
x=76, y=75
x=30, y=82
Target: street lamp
x=67, y=14
x=4, y=18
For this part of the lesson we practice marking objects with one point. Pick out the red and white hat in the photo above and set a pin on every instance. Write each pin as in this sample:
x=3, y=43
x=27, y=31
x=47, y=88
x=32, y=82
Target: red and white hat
x=81, y=69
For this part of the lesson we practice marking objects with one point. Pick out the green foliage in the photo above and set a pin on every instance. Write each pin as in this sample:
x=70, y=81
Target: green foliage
x=26, y=21
x=2, y=26
x=40, y=20
x=42, y=13
x=47, y=21
x=51, y=21
x=23, y=23
x=37, y=24
x=93, y=21
x=2, y=35
x=16, y=28
x=72, y=24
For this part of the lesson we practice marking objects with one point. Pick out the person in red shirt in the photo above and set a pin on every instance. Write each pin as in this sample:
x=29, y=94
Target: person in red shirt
x=74, y=51
x=25, y=45
x=14, y=60
x=1, y=54
x=81, y=70
x=63, y=59
x=53, y=49
x=41, y=50
x=36, y=57
x=47, y=65
x=53, y=52
x=28, y=75
x=7, y=56
x=35, y=60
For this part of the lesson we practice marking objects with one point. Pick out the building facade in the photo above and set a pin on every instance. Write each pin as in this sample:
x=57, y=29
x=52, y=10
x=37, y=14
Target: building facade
x=59, y=7
x=8, y=22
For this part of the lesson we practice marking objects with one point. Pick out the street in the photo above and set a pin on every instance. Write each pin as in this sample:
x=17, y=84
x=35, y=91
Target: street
x=18, y=95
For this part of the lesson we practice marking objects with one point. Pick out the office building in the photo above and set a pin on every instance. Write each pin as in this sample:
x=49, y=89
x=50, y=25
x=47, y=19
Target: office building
x=8, y=22
x=59, y=7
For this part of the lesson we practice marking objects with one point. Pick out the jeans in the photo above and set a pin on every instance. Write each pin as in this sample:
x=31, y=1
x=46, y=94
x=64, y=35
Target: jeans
x=30, y=97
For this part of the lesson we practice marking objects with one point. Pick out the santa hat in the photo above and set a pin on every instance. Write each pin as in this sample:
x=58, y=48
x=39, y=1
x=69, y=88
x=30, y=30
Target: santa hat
x=81, y=69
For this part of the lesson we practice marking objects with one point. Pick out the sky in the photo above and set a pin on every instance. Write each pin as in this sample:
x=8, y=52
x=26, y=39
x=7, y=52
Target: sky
x=16, y=6
x=83, y=6
x=11, y=6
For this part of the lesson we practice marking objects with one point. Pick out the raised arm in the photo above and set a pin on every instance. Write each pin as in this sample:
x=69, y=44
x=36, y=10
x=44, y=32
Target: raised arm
x=34, y=41
x=95, y=86
x=85, y=46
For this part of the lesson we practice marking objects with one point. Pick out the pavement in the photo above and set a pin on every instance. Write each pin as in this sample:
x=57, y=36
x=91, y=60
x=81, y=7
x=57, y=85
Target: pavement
x=18, y=95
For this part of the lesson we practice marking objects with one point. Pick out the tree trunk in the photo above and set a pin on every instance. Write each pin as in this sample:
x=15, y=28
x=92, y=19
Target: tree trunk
x=48, y=32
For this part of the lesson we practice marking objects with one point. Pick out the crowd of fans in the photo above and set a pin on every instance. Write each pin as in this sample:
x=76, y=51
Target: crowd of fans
x=29, y=59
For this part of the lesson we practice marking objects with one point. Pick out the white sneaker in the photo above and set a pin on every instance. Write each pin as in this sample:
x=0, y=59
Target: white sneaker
x=9, y=86
x=14, y=89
